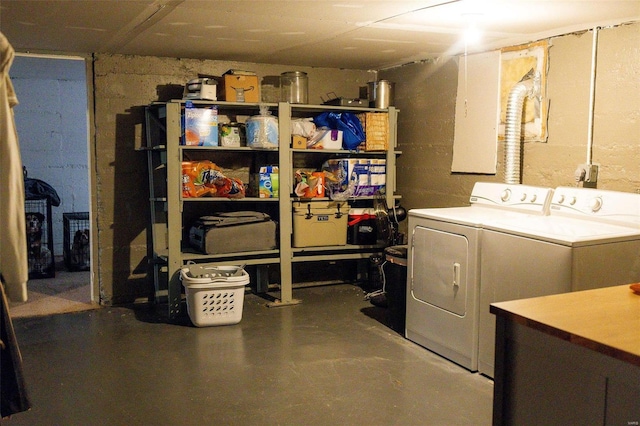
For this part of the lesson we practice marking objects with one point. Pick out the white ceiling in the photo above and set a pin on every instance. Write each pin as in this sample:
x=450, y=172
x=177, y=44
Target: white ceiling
x=355, y=34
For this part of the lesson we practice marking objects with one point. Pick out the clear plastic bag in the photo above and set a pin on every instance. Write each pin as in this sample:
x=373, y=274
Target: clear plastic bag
x=262, y=130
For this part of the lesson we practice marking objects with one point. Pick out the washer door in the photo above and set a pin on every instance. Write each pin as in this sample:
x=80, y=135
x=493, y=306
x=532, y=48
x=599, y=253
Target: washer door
x=439, y=269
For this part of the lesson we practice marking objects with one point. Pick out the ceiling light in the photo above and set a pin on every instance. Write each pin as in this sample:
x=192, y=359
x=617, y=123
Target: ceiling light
x=472, y=35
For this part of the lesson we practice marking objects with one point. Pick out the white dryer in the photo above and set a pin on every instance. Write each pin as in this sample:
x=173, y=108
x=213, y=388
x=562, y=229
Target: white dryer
x=590, y=239
x=444, y=266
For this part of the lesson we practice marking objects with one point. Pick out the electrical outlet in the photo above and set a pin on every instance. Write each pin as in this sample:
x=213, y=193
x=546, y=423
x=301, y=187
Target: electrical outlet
x=587, y=173
x=592, y=173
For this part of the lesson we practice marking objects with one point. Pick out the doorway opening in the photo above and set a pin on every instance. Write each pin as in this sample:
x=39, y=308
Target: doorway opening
x=52, y=122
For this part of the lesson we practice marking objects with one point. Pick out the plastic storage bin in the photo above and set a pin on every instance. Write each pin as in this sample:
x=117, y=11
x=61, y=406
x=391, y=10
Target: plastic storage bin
x=215, y=295
x=362, y=228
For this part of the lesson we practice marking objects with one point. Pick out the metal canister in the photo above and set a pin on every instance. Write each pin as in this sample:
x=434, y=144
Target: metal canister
x=294, y=87
x=381, y=93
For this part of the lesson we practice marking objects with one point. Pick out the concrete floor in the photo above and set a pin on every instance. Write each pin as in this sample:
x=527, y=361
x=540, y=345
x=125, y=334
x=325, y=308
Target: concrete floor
x=66, y=292
x=328, y=361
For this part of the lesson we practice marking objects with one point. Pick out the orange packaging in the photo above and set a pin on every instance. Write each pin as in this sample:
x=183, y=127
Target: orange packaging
x=198, y=178
x=188, y=185
x=205, y=179
x=316, y=185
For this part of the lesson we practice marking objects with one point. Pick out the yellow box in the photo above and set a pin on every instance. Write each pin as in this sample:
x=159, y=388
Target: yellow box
x=239, y=88
x=376, y=130
x=320, y=223
x=299, y=142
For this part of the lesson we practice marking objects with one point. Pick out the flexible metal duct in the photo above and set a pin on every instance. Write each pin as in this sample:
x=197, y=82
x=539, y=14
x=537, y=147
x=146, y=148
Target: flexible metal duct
x=513, y=150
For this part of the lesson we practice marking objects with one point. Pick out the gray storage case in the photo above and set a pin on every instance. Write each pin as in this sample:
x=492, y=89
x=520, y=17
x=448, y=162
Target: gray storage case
x=233, y=232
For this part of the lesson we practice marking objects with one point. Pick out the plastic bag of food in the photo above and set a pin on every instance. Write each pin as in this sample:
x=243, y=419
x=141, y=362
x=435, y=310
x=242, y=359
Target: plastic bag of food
x=206, y=179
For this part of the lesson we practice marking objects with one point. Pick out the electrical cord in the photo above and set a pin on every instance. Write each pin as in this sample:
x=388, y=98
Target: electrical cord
x=381, y=291
x=580, y=175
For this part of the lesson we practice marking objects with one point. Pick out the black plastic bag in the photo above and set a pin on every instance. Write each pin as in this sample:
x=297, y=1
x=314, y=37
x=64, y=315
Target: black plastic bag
x=36, y=189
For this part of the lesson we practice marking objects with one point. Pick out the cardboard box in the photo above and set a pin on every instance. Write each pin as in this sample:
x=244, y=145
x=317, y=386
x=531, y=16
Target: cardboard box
x=200, y=125
x=298, y=142
x=239, y=88
x=320, y=223
x=269, y=185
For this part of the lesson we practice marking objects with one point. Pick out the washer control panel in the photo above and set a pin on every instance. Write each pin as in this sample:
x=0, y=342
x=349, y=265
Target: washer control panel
x=612, y=206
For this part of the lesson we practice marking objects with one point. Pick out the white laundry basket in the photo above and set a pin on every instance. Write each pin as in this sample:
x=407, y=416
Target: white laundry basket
x=215, y=294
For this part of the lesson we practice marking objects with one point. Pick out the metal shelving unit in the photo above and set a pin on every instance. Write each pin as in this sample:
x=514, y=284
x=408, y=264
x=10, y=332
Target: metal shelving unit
x=168, y=253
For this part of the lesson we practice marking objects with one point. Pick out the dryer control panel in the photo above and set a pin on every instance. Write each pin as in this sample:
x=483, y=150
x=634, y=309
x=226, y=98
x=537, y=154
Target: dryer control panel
x=532, y=199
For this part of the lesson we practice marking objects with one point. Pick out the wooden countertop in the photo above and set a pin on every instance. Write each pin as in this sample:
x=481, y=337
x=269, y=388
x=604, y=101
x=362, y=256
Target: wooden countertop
x=606, y=320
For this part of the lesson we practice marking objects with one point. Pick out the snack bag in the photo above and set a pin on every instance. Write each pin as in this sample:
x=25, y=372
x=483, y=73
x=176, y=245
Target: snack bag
x=198, y=178
x=192, y=184
x=188, y=185
x=229, y=188
x=205, y=179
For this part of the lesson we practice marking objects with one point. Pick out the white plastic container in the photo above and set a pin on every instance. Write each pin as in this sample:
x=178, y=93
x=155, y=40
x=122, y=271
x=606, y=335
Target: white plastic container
x=326, y=139
x=215, y=295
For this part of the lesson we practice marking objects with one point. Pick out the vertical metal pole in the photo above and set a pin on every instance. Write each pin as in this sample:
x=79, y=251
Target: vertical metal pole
x=174, y=207
x=286, y=188
x=592, y=94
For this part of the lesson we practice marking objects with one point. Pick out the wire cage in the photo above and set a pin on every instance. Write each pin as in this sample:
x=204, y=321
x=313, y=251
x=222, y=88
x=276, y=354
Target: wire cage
x=39, y=231
x=76, y=249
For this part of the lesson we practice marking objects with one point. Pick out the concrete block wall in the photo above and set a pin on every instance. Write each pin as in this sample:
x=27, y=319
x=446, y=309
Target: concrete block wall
x=426, y=96
x=123, y=85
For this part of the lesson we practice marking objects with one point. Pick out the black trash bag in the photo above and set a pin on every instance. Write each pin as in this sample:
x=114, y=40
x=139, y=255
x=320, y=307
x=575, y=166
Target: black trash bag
x=36, y=189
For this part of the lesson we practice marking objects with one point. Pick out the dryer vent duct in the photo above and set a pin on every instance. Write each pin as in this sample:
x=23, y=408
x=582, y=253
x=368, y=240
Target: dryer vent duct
x=529, y=87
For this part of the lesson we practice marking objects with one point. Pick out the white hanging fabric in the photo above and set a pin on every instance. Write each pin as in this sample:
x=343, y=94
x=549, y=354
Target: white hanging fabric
x=13, y=244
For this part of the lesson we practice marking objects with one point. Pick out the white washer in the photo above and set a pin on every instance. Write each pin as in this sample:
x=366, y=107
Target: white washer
x=590, y=239
x=443, y=266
